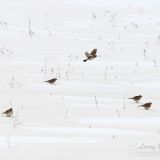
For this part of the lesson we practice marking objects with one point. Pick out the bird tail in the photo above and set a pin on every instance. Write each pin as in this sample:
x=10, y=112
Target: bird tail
x=4, y=112
x=139, y=106
x=85, y=60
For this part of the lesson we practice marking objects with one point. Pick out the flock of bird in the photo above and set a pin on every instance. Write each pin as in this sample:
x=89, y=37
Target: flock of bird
x=90, y=56
x=137, y=99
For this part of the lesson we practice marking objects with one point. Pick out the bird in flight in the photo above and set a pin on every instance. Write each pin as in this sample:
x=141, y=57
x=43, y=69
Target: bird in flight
x=91, y=55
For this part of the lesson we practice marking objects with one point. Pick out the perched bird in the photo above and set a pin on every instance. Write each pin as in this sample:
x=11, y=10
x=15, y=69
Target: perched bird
x=91, y=55
x=51, y=81
x=146, y=105
x=136, y=98
x=8, y=112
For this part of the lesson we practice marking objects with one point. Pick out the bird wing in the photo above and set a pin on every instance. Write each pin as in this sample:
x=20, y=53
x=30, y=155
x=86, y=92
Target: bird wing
x=93, y=53
x=88, y=55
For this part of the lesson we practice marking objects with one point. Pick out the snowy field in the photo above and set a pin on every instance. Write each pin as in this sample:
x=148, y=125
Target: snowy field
x=86, y=114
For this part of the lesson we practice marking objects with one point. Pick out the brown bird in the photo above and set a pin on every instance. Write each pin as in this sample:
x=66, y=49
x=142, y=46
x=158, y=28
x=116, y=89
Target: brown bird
x=51, y=81
x=91, y=55
x=136, y=98
x=8, y=112
x=146, y=105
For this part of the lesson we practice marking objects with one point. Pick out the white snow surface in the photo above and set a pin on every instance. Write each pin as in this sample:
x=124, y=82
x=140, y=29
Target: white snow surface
x=86, y=114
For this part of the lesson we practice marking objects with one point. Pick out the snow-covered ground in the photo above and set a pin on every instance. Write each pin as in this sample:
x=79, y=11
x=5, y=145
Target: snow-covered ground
x=86, y=114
